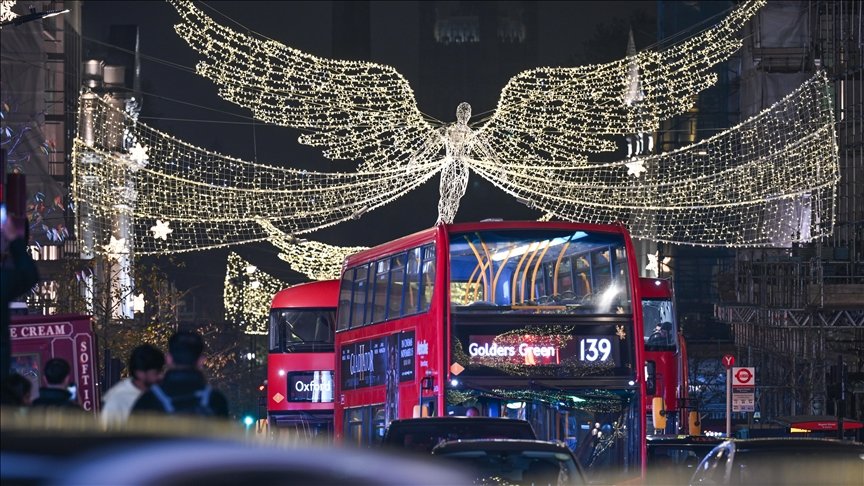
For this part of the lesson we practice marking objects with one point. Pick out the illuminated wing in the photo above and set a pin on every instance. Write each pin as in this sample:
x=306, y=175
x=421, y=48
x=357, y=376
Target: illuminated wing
x=551, y=115
x=770, y=180
x=353, y=110
x=179, y=197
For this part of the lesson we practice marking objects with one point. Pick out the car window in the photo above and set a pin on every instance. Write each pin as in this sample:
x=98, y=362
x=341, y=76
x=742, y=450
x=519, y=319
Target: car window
x=424, y=437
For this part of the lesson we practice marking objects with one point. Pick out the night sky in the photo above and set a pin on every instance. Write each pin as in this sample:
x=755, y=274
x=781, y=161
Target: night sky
x=558, y=34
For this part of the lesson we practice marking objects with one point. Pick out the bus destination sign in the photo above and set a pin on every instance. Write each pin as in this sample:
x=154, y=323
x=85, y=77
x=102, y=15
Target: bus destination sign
x=540, y=350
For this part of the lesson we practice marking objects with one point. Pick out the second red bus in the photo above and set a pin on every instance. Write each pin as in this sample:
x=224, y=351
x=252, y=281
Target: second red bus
x=300, y=362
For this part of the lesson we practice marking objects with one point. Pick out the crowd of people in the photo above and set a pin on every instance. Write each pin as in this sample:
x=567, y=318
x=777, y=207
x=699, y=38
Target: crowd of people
x=171, y=383
x=181, y=389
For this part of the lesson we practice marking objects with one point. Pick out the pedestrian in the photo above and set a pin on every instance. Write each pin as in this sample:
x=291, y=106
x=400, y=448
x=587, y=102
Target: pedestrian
x=184, y=389
x=16, y=391
x=145, y=367
x=17, y=276
x=55, y=393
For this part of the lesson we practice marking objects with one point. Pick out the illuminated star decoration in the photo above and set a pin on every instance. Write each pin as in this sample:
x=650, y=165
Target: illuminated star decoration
x=138, y=303
x=139, y=157
x=116, y=247
x=161, y=229
x=656, y=265
x=636, y=167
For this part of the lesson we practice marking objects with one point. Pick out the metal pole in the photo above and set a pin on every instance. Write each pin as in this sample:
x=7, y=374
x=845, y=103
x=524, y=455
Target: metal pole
x=729, y=402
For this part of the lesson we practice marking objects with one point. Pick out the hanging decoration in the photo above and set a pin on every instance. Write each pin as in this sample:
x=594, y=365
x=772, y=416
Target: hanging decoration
x=185, y=198
x=316, y=260
x=656, y=265
x=546, y=117
x=767, y=181
x=6, y=12
x=752, y=185
x=248, y=294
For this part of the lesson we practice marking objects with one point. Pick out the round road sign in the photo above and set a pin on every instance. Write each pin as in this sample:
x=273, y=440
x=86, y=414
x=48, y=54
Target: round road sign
x=743, y=376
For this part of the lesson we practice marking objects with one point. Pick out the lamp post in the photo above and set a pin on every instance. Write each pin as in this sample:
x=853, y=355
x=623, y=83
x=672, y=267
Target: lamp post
x=243, y=279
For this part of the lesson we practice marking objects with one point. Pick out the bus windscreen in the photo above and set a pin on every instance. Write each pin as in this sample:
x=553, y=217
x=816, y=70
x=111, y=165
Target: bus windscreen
x=546, y=271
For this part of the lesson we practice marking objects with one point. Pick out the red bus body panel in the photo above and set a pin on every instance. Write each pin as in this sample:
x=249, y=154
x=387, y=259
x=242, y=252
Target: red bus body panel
x=278, y=367
x=310, y=295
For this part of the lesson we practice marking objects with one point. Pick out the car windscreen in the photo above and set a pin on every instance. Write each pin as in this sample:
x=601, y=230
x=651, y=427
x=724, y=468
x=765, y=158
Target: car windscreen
x=423, y=437
x=521, y=467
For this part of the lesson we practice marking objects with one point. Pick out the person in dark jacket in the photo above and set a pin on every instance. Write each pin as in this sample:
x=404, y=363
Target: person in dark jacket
x=17, y=275
x=55, y=393
x=184, y=390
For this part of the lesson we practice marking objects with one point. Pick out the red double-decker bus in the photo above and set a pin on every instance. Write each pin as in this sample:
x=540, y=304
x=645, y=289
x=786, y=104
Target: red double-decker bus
x=300, y=363
x=665, y=359
x=532, y=320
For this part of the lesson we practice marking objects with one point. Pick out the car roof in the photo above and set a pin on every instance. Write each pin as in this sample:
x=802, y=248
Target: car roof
x=815, y=444
x=499, y=445
x=683, y=440
x=453, y=418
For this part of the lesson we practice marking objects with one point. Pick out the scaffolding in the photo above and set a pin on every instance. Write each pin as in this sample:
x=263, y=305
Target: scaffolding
x=794, y=311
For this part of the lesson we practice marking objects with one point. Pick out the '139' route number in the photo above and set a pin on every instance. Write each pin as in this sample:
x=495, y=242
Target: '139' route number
x=593, y=349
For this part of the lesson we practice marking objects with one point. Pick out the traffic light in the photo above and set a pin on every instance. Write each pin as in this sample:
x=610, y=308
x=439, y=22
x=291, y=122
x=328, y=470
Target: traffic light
x=248, y=420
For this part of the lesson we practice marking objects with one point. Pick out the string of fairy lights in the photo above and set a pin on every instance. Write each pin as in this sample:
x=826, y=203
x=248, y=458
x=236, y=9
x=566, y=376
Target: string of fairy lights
x=768, y=181
x=316, y=260
x=248, y=294
x=183, y=198
x=365, y=111
x=6, y=12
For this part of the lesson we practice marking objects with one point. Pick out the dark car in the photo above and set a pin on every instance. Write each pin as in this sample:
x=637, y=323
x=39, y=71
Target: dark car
x=57, y=448
x=672, y=459
x=422, y=434
x=520, y=462
x=786, y=461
